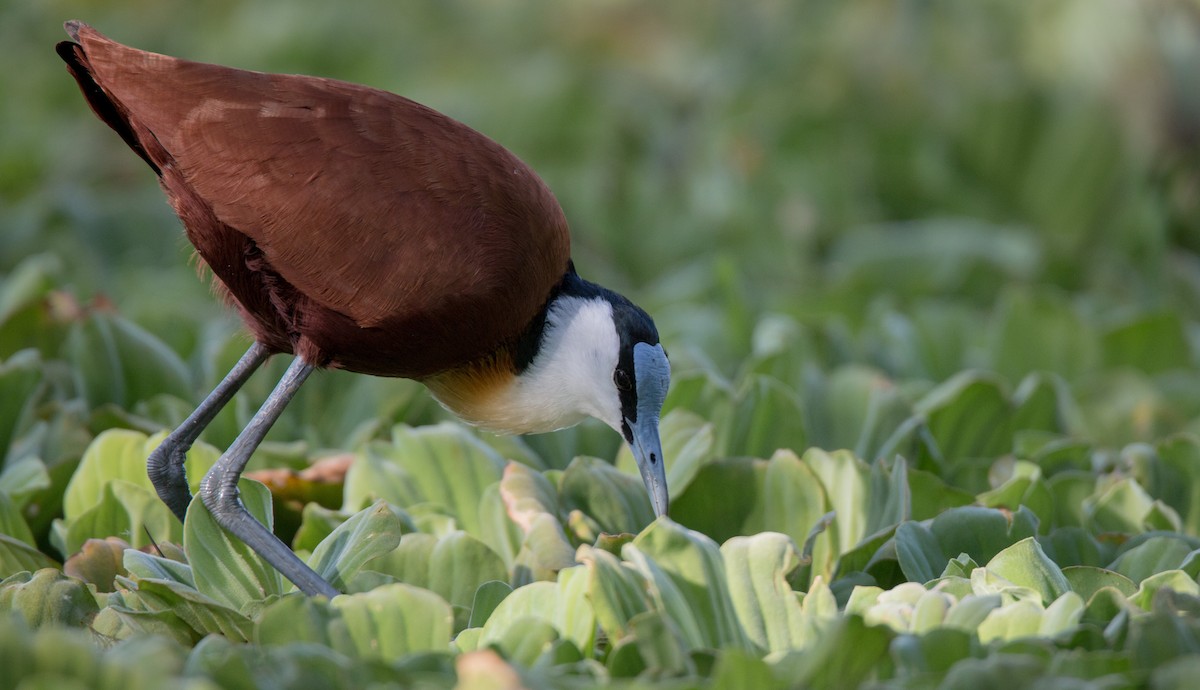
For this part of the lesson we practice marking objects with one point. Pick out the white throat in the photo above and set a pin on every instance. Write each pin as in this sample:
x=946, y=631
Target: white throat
x=570, y=377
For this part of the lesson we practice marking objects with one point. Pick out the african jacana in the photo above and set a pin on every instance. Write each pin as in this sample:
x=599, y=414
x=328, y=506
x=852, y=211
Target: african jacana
x=359, y=230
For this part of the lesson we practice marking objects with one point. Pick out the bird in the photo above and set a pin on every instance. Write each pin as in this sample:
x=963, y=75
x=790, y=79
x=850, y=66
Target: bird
x=356, y=229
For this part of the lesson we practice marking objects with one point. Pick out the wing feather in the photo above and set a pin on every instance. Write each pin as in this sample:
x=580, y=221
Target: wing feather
x=368, y=203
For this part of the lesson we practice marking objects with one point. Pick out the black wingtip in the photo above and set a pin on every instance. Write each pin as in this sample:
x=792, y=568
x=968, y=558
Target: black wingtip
x=72, y=27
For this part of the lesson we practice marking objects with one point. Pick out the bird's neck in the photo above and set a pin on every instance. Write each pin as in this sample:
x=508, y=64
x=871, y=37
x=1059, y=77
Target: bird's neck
x=559, y=372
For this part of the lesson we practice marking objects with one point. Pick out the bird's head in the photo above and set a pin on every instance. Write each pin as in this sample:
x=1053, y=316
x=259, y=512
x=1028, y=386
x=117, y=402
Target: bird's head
x=599, y=355
x=591, y=353
x=641, y=378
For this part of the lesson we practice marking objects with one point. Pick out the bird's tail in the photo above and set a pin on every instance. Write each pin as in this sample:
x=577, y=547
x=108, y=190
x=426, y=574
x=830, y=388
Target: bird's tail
x=107, y=108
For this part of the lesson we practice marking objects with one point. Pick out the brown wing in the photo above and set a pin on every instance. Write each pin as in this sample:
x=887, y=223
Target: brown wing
x=386, y=217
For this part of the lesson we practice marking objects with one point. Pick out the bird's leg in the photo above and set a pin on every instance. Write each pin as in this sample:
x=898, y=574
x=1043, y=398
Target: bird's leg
x=165, y=464
x=219, y=489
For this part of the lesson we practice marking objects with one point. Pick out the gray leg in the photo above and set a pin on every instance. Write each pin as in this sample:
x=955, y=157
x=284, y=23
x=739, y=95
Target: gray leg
x=219, y=490
x=165, y=464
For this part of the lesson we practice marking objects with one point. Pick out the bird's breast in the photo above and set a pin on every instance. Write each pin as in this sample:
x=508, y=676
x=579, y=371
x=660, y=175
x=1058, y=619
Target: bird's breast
x=480, y=393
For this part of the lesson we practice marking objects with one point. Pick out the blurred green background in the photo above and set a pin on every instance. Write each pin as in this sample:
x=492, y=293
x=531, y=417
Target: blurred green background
x=790, y=188
x=959, y=238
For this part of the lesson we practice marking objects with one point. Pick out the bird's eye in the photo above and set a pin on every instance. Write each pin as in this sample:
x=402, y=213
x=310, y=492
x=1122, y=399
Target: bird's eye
x=621, y=379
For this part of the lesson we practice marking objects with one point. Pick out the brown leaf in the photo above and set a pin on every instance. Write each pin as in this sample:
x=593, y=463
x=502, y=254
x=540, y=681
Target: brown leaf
x=485, y=670
x=99, y=562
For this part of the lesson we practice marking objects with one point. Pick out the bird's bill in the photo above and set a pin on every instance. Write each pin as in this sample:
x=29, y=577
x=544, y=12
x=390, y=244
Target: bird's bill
x=647, y=450
x=653, y=373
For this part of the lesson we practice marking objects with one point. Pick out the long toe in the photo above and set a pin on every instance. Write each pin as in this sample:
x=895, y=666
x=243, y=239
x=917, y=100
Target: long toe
x=169, y=476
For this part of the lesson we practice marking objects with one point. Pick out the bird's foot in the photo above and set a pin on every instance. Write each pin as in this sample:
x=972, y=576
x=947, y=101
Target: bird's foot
x=219, y=492
x=168, y=475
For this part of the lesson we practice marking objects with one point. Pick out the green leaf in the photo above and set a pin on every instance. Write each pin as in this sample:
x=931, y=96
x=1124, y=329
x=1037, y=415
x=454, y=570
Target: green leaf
x=25, y=313
x=121, y=454
x=1044, y=403
x=845, y=655
x=617, y=501
x=1154, y=555
x=562, y=605
x=1086, y=581
x=705, y=504
x=150, y=567
x=1025, y=564
x=21, y=479
x=525, y=641
x=857, y=408
x=386, y=623
x=115, y=361
x=487, y=598
x=395, y=619
x=845, y=480
x=660, y=645
x=920, y=554
x=454, y=566
x=47, y=597
x=1062, y=616
x=935, y=652
x=125, y=510
x=201, y=613
x=459, y=565
x=908, y=607
x=527, y=494
x=1016, y=620
x=1070, y=489
x=296, y=618
x=969, y=419
x=224, y=568
x=1069, y=546
x=500, y=532
x=785, y=496
x=970, y=612
x=1177, y=674
x=1173, y=476
x=1157, y=637
x=443, y=465
x=1154, y=343
x=700, y=387
x=756, y=569
x=1175, y=580
x=1041, y=331
x=467, y=641
x=932, y=255
x=931, y=496
x=1105, y=605
x=1122, y=507
x=618, y=592
x=739, y=670
x=230, y=665
x=872, y=551
x=981, y=533
x=688, y=582
x=316, y=523
x=20, y=376
x=368, y=534
x=890, y=496
x=1020, y=484
x=12, y=523
x=766, y=417
x=16, y=556
x=545, y=551
x=409, y=561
